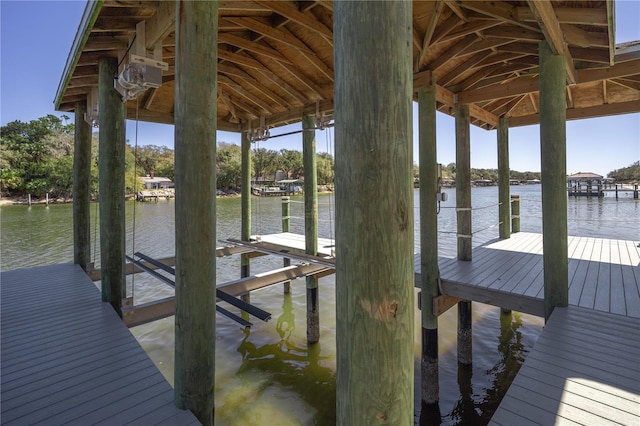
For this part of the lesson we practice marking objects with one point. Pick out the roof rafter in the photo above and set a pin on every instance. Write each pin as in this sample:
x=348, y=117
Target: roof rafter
x=290, y=12
x=546, y=17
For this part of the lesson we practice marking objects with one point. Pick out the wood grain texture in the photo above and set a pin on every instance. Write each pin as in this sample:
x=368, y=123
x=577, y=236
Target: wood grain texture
x=111, y=181
x=195, y=153
x=374, y=190
x=81, y=188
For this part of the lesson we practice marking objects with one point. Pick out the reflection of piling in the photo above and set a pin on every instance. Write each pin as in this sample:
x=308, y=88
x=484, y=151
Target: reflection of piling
x=464, y=333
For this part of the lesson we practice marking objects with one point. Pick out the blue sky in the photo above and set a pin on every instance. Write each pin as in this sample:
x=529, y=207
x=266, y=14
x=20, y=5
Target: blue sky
x=35, y=38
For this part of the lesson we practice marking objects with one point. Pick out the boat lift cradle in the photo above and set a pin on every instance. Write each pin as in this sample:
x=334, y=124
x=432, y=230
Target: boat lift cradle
x=246, y=307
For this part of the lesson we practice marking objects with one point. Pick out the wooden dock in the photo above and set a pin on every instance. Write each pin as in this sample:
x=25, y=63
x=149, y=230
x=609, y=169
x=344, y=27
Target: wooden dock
x=584, y=369
x=604, y=274
x=67, y=358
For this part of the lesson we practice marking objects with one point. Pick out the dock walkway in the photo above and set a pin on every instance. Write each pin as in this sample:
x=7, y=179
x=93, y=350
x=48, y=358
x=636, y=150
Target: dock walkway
x=67, y=358
x=584, y=369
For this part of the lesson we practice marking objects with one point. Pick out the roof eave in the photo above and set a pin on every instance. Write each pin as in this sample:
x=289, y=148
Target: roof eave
x=91, y=11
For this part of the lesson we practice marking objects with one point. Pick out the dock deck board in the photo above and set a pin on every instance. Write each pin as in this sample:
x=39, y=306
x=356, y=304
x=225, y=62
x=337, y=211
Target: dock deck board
x=603, y=274
x=68, y=358
x=576, y=374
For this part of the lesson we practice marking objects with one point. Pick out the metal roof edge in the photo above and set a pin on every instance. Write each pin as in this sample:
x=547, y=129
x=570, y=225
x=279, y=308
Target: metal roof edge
x=89, y=17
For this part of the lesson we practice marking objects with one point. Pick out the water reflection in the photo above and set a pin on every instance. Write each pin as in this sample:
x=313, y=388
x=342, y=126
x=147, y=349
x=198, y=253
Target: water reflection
x=294, y=366
x=512, y=354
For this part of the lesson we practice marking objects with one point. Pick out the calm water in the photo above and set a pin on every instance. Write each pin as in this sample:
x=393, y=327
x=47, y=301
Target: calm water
x=268, y=375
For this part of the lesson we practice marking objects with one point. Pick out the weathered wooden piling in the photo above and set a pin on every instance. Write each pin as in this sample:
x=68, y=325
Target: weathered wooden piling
x=245, y=205
x=428, y=241
x=374, y=212
x=515, y=214
x=463, y=207
x=311, y=222
x=195, y=153
x=553, y=150
x=286, y=223
x=81, y=188
x=111, y=176
x=503, y=177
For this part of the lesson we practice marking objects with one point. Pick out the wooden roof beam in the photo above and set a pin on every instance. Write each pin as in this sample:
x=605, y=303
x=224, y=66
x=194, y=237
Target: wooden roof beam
x=290, y=12
x=431, y=27
x=629, y=84
x=452, y=52
x=582, y=113
x=241, y=91
x=445, y=28
x=569, y=15
x=456, y=9
x=519, y=86
x=546, y=17
x=576, y=36
x=258, y=48
x=469, y=28
x=292, y=115
x=461, y=68
x=622, y=69
x=160, y=25
x=282, y=35
x=611, y=26
x=499, y=10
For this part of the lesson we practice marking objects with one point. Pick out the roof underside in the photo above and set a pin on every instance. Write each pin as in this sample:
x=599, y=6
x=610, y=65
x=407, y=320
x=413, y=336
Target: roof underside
x=275, y=58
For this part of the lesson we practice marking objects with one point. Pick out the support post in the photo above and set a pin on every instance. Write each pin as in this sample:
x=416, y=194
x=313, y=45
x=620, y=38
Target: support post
x=515, y=214
x=463, y=181
x=553, y=150
x=195, y=153
x=374, y=224
x=503, y=177
x=81, y=188
x=286, y=220
x=428, y=241
x=463, y=206
x=245, y=206
x=311, y=222
x=111, y=175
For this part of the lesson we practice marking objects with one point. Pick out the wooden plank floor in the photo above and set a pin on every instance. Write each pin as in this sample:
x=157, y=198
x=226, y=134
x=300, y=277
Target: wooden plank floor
x=584, y=369
x=68, y=359
x=604, y=274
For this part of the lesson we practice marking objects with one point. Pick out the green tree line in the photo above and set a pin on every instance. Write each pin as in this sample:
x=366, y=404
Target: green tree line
x=630, y=173
x=449, y=172
x=36, y=157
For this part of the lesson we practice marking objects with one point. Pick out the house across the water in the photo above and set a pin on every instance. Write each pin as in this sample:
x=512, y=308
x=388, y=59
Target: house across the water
x=155, y=188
